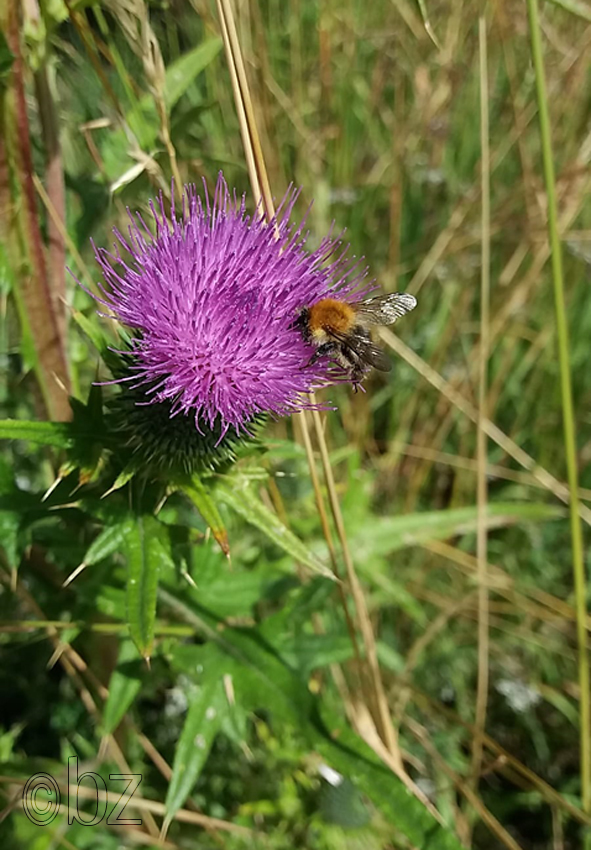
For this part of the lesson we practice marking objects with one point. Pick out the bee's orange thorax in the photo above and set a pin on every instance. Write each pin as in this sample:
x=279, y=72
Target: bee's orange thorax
x=330, y=315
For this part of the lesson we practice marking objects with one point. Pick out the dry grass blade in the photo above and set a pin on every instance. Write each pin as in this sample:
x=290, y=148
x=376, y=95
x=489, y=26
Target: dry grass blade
x=427, y=23
x=302, y=423
x=232, y=45
x=241, y=111
x=379, y=705
x=545, y=607
x=470, y=465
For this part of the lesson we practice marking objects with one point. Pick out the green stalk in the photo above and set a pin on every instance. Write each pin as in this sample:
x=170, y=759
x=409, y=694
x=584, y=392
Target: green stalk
x=567, y=403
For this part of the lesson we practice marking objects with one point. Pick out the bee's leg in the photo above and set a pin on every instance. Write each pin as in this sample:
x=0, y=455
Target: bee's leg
x=322, y=351
x=357, y=376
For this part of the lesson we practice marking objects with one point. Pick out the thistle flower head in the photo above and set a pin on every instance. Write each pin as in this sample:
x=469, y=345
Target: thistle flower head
x=210, y=296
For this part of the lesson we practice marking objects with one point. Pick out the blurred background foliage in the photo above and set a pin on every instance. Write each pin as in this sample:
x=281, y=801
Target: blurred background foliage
x=373, y=108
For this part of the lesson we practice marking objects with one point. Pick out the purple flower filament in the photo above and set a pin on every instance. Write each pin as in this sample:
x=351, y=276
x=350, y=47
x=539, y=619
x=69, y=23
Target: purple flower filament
x=211, y=299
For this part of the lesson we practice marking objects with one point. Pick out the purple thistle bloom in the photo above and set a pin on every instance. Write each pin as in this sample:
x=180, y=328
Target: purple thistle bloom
x=211, y=299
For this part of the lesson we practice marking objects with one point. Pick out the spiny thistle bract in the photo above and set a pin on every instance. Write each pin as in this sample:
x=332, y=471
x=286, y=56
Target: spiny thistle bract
x=210, y=299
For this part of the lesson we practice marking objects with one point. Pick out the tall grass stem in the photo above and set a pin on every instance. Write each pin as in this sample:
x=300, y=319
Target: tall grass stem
x=481, y=447
x=567, y=402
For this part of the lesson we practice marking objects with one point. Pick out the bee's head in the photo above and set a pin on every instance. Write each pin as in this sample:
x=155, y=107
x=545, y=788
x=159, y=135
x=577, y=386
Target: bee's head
x=300, y=323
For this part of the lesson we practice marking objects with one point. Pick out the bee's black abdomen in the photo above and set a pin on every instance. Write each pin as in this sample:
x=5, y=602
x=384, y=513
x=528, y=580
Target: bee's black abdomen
x=359, y=330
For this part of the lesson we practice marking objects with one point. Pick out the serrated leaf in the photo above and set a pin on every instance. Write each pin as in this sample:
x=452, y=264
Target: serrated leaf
x=146, y=554
x=205, y=504
x=258, y=671
x=122, y=479
x=94, y=405
x=241, y=499
x=261, y=678
x=124, y=686
x=83, y=437
x=110, y=540
x=206, y=711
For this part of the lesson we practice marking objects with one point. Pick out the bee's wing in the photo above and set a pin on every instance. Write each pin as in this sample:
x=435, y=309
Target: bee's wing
x=385, y=309
x=364, y=350
x=372, y=355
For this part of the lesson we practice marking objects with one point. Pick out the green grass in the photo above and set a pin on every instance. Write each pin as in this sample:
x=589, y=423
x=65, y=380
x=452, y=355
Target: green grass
x=355, y=103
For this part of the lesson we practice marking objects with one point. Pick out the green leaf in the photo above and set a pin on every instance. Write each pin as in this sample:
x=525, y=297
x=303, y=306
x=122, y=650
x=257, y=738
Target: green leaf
x=184, y=70
x=343, y=805
x=353, y=759
x=98, y=337
x=124, y=686
x=576, y=7
x=236, y=494
x=6, y=271
x=207, y=706
x=261, y=678
x=306, y=652
x=236, y=595
x=122, y=479
x=9, y=531
x=87, y=420
x=384, y=535
x=85, y=435
x=260, y=675
x=6, y=58
x=146, y=554
x=203, y=501
x=110, y=540
x=57, y=434
x=143, y=117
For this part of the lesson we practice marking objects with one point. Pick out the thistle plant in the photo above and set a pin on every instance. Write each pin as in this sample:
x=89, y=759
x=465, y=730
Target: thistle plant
x=205, y=301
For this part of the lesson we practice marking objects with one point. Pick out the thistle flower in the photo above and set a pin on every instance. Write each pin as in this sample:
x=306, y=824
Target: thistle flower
x=210, y=300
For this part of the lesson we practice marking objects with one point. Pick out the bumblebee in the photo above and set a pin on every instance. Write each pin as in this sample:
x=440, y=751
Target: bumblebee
x=339, y=329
